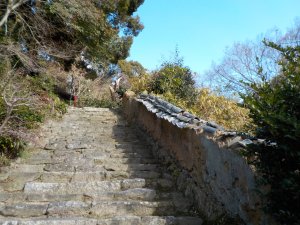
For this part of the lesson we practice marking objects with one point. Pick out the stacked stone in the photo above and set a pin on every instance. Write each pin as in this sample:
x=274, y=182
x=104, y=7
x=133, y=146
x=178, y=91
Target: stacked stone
x=93, y=169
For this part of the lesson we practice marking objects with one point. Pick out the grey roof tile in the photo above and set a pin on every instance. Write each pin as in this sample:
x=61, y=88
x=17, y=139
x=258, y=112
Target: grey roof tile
x=245, y=142
x=183, y=119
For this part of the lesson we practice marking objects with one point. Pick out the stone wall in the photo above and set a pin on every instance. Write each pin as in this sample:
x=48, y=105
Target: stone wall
x=213, y=174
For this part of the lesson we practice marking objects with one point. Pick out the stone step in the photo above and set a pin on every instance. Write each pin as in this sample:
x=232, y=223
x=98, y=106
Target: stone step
x=124, y=220
x=130, y=155
x=26, y=168
x=131, y=167
x=86, y=166
x=112, y=153
x=83, y=187
x=140, y=160
x=36, y=162
x=99, y=150
x=24, y=209
x=15, y=181
x=99, y=209
x=106, y=209
x=91, y=168
x=142, y=194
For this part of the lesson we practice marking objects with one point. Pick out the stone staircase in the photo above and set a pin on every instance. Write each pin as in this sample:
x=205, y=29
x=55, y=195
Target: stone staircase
x=94, y=169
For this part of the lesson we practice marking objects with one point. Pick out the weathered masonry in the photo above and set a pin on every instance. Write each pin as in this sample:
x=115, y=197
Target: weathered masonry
x=213, y=174
x=91, y=168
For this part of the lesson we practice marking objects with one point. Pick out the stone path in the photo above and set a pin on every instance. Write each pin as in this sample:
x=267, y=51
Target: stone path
x=94, y=169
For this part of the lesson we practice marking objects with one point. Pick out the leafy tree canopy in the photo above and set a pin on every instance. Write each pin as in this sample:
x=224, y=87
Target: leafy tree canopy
x=274, y=107
x=61, y=29
x=131, y=68
x=175, y=78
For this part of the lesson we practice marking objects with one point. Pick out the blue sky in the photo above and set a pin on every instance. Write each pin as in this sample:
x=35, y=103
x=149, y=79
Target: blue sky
x=202, y=29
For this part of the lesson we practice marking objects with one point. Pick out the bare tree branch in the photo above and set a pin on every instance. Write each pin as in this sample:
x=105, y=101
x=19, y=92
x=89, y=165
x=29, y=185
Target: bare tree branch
x=13, y=97
x=11, y=6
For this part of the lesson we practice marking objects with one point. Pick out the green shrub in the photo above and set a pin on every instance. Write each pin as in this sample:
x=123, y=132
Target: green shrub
x=11, y=147
x=4, y=161
x=41, y=83
x=140, y=83
x=29, y=117
x=175, y=79
x=174, y=82
x=60, y=106
x=221, y=110
x=275, y=109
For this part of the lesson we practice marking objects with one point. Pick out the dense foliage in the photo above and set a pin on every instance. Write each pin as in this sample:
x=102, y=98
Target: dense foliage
x=275, y=109
x=175, y=82
x=25, y=102
x=131, y=68
x=60, y=29
x=175, y=79
x=45, y=43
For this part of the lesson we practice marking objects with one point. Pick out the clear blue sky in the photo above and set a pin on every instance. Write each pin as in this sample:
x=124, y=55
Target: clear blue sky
x=202, y=29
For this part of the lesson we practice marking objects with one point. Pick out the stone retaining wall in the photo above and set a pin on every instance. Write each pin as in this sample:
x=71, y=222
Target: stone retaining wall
x=216, y=177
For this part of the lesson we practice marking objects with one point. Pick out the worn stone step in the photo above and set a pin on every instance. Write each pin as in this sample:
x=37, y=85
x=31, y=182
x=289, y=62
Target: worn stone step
x=72, y=166
x=78, y=158
x=130, y=155
x=83, y=187
x=102, y=209
x=24, y=209
x=16, y=181
x=143, y=194
x=148, y=175
x=90, y=166
x=122, y=220
x=15, y=197
x=106, y=209
x=106, y=153
x=50, y=221
x=94, y=169
x=131, y=167
x=140, y=160
x=26, y=168
x=103, y=153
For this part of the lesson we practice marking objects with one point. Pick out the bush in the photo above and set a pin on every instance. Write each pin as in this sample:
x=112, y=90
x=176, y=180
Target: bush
x=42, y=83
x=211, y=107
x=174, y=82
x=10, y=147
x=141, y=83
x=221, y=110
x=274, y=107
x=28, y=117
x=175, y=79
x=25, y=101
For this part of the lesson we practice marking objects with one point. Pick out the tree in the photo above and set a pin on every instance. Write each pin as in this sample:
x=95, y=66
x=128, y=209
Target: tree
x=274, y=107
x=176, y=79
x=11, y=6
x=131, y=68
x=62, y=30
x=250, y=62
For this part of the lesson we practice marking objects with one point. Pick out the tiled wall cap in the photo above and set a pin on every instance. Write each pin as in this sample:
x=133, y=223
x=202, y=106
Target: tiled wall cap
x=213, y=124
x=183, y=119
